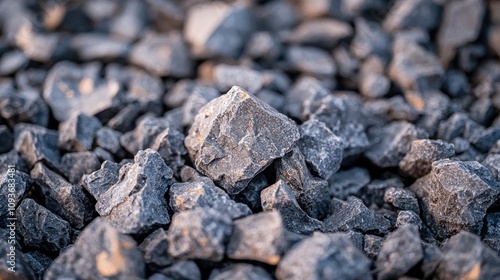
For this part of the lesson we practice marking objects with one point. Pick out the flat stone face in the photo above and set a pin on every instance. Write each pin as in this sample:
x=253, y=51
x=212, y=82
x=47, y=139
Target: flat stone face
x=112, y=255
x=236, y=136
x=455, y=196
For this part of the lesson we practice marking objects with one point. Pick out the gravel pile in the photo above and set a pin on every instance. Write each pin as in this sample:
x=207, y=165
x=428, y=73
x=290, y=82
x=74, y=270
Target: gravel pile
x=250, y=139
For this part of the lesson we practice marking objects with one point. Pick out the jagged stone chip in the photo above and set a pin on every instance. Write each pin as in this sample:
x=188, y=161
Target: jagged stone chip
x=199, y=234
x=100, y=251
x=135, y=204
x=466, y=257
x=200, y=192
x=259, y=237
x=417, y=162
x=62, y=198
x=236, y=136
x=98, y=182
x=76, y=134
x=324, y=256
x=400, y=252
x=455, y=196
x=37, y=144
x=75, y=165
x=41, y=229
x=155, y=250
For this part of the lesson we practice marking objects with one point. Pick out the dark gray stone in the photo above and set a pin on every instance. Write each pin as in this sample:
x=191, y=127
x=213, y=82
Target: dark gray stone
x=210, y=38
x=37, y=144
x=129, y=20
x=354, y=215
x=62, y=198
x=485, y=139
x=136, y=203
x=200, y=192
x=491, y=232
x=374, y=192
x=412, y=14
x=402, y=199
x=198, y=97
x=263, y=45
x=372, y=245
x=370, y=39
x=455, y=195
x=322, y=149
x=95, y=46
x=408, y=217
x=144, y=89
x=323, y=32
x=6, y=139
x=100, y=251
x=492, y=162
x=163, y=55
x=400, y=252
x=124, y=120
x=244, y=144
x=155, y=250
x=108, y=139
x=417, y=162
x=305, y=90
x=374, y=85
x=71, y=88
x=41, y=229
x=101, y=180
x=348, y=182
x=466, y=257
x=259, y=237
x=250, y=196
x=461, y=24
x=324, y=256
x=310, y=60
x=12, y=158
x=225, y=76
x=280, y=197
x=75, y=165
x=12, y=61
x=38, y=262
x=414, y=68
x=13, y=187
x=241, y=271
x=199, y=234
x=391, y=143
x=24, y=106
x=76, y=134
x=311, y=193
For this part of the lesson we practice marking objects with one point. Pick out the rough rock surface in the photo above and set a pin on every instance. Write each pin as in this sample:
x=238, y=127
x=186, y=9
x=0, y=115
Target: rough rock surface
x=135, y=204
x=324, y=256
x=417, y=162
x=240, y=133
x=100, y=251
x=455, y=196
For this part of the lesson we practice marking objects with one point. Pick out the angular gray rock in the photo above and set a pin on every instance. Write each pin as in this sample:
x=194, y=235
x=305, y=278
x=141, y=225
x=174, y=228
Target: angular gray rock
x=311, y=60
x=348, y=182
x=71, y=88
x=22, y=267
x=391, y=143
x=98, y=182
x=400, y=252
x=62, y=198
x=200, y=192
x=372, y=245
x=100, y=251
x=280, y=197
x=324, y=32
x=311, y=192
x=76, y=134
x=354, y=215
x=322, y=149
x=402, y=198
x=461, y=24
x=414, y=68
x=155, y=250
x=491, y=233
x=455, y=195
x=37, y=144
x=11, y=194
x=41, y=229
x=412, y=14
x=163, y=55
x=23, y=106
x=185, y=270
x=324, y=256
x=136, y=203
x=226, y=76
x=199, y=234
x=259, y=237
x=417, y=162
x=75, y=165
x=466, y=257
x=241, y=134
x=207, y=27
